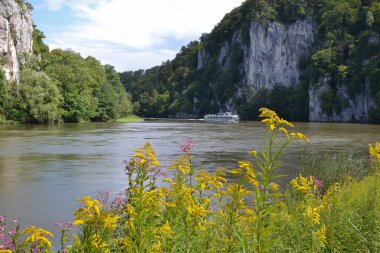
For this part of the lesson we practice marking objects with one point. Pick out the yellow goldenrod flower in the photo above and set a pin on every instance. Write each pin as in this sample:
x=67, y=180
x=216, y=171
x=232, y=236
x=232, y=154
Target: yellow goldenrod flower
x=156, y=247
x=302, y=184
x=184, y=169
x=299, y=136
x=321, y=235
x=167, y=230
x=274, y=187
x=78, y=222
x=375, y=150
x=285, y=123
x=5, y=251
x=127, y=244
x=110, y=221
x=197, y=211
x=38, y=236
x=138, y=155
x=313, y=214
x=236, y=171
x=282, y=129
x=266, y=113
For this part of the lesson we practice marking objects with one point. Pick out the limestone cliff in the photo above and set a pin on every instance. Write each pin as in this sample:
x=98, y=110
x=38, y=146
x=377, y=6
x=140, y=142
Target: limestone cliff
x=16, y=30
x=273, y=54
x=271, y=57
x=351, y=109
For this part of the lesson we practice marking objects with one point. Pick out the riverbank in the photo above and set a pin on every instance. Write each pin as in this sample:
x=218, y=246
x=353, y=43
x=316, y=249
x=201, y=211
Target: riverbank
x=4, y=121
x=129, y=119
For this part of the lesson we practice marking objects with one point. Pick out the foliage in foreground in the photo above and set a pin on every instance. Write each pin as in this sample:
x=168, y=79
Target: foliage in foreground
x=199, y=212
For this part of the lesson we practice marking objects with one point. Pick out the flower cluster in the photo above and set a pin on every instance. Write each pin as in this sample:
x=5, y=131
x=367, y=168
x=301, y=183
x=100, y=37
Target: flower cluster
x=92, y=216
x=64, y=228
x=375, y=150
x=8, y=234
x=313, y=214
x=272, y=120
x=302, y=184
x=92, y=213
x=38, y=238
x=187, y=147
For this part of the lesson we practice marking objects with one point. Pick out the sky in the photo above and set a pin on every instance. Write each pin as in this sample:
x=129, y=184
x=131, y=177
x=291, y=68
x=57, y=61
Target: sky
x=128, y=34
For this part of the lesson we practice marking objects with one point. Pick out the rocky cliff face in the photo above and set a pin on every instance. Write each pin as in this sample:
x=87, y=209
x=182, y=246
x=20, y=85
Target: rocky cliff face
x=352, y=109
x=271, y=58
x=16, y=30
x=273, y=54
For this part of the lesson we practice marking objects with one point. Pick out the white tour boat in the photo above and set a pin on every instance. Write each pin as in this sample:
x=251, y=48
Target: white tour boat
x=223, y=116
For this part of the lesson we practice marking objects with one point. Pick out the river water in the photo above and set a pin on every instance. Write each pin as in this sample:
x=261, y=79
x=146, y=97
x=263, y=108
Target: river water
x=45, y=168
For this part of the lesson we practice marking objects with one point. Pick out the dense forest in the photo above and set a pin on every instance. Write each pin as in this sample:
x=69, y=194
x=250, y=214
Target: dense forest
x=62, y=86
x=346, y=50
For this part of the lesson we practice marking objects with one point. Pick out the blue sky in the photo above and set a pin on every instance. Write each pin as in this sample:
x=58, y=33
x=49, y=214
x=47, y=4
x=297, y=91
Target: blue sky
x=129, y=34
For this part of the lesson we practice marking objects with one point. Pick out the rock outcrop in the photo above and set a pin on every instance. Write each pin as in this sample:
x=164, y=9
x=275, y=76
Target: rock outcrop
x=271, y=57
x=352, y=109
x=16, y=30
x=273, y=54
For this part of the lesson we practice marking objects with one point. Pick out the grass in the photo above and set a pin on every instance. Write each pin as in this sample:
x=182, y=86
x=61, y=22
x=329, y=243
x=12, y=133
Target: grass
x=332, y=168
x=130, y=118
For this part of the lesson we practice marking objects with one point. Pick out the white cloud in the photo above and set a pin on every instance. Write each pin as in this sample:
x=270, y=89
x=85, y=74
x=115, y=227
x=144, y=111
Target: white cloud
x=142, y=31
x=55, y=4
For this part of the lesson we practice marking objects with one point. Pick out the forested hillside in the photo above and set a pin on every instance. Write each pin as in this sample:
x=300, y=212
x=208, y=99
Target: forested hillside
x=42, y=86
x=248, y=61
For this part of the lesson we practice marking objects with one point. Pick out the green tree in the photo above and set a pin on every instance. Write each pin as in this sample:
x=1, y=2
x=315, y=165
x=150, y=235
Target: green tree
x=39, y=47
x=41, y=97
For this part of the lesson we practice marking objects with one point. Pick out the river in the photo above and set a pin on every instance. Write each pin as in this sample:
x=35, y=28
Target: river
x=45, y=168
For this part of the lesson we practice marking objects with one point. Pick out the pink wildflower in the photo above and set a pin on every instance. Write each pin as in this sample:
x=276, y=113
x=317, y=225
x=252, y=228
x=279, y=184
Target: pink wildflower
x=12, y=232
x=58, y=224
x=69, y=225
x=317, y=183
x=9, y=244
x=186, y=148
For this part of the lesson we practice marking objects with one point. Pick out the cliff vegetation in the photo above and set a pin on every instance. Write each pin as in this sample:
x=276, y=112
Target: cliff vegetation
x=227, y=69
x=42, y=86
